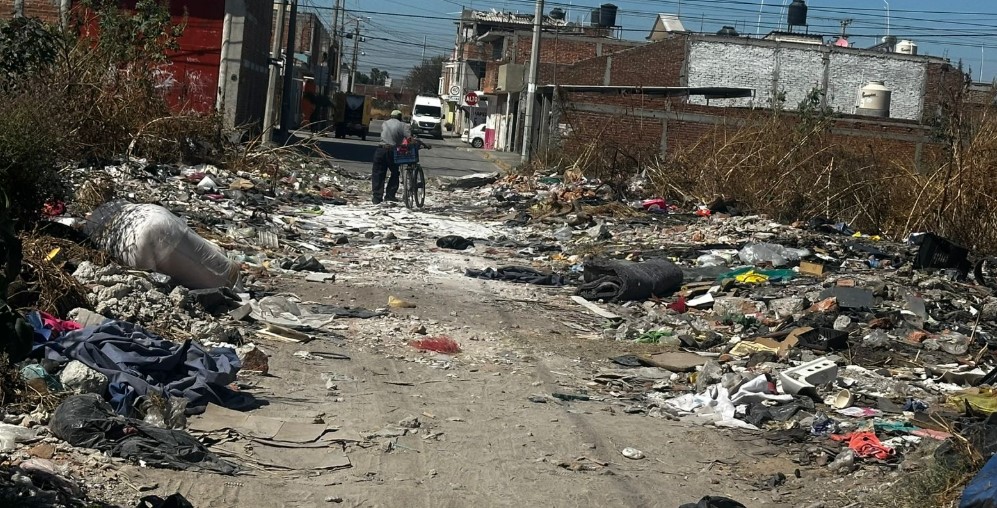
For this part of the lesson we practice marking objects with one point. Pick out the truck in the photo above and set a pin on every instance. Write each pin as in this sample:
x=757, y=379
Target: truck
x=352, y=115
x=427, y=116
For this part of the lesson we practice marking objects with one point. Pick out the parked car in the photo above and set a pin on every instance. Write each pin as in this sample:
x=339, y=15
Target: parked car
x=475, y=136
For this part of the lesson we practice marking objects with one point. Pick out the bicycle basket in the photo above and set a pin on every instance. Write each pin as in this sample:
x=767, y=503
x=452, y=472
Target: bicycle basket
x=406, y=154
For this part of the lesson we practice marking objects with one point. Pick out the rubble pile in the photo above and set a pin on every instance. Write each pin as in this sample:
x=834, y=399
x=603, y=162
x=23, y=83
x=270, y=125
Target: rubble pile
x=850, y=350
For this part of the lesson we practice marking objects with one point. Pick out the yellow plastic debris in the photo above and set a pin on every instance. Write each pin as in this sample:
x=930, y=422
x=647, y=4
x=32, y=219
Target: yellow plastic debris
x=54, y=255
x=980, y=400
x=398, y=303
x=751, y=277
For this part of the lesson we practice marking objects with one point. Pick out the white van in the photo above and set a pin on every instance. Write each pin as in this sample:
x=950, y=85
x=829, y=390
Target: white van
x=427, y=116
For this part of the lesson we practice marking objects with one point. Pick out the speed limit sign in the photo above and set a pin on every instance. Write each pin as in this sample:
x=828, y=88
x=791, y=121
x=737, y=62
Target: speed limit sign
x=455, y=90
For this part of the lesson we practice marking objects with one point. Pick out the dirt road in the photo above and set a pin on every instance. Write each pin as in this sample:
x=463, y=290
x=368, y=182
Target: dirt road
x=481, y=440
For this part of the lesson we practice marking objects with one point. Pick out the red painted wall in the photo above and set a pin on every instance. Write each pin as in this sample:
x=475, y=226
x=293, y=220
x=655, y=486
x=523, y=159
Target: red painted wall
x=190, y=80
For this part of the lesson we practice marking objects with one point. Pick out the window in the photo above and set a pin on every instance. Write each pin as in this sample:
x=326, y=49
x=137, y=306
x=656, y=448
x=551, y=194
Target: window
x=433, y=111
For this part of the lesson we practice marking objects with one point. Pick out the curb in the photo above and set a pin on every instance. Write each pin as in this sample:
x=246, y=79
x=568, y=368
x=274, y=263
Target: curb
x=504, y=166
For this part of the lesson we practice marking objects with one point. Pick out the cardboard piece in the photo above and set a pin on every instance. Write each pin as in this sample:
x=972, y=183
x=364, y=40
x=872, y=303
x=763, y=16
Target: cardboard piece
x=763, y=344
x=748, y=348
x=678, y=361
x=286, y=458
x=216, y=418
x=810, y=268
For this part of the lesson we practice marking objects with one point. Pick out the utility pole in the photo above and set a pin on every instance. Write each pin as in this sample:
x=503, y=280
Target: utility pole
x=424, y=39
x=844, y=27
x=286, y=96
x=356, y=51
x=531, y=87
x=278, y=41
x=337, y=45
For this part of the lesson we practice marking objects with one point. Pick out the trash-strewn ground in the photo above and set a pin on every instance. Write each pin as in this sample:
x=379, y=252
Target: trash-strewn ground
x=550, y=401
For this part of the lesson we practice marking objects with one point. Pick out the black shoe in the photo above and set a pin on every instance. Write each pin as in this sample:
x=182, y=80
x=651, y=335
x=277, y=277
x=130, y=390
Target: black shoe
x=393, y=200
x=376, y=201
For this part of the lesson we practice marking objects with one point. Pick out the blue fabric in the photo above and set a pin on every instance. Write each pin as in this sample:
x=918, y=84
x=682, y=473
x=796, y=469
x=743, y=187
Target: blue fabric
x=137, y=362
x=982, y=491
x=42, y=334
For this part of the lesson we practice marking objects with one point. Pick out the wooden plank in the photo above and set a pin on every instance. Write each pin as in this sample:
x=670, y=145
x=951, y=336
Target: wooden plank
x=595, y=309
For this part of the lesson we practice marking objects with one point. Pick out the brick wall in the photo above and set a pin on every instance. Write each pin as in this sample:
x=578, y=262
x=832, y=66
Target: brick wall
x=490, y=81
x=941, y=81
x=47, y=10
x=637, y=121
x=567, y=49
x=655, y=64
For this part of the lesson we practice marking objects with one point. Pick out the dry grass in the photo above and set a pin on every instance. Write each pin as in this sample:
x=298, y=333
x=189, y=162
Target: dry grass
x=53, y=289
x=934, y=485
x=793, y=170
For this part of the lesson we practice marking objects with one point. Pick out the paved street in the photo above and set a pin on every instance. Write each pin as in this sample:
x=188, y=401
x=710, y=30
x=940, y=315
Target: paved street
x=449, y=158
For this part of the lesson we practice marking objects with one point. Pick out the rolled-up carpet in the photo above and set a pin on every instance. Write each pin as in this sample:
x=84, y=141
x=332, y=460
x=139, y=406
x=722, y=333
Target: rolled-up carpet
x=620, y=280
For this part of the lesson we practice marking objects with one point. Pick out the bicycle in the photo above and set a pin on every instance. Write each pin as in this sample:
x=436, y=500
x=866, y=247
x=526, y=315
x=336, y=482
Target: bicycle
x=413, y=178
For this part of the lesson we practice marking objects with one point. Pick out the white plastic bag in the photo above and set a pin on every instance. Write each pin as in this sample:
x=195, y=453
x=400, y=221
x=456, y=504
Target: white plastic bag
x=778, y=255
x=149, y=237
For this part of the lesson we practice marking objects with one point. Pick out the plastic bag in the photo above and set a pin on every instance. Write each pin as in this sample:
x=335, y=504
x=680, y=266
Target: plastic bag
x=163, y=411
x=149, y=237
x=778, y=255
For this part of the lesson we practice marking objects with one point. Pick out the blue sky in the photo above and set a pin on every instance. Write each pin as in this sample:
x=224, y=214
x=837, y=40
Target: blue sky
x=958, y=29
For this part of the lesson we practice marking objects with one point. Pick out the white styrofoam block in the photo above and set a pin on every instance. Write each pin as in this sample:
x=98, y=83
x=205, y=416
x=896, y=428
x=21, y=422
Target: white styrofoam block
x=809, y=375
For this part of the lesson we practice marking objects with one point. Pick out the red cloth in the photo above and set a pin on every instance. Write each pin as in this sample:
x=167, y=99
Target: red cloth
x=57, y=325
x=865, y=444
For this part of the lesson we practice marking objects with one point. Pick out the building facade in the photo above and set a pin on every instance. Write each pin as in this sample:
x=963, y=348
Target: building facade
x=491, y=58
x=223, y=61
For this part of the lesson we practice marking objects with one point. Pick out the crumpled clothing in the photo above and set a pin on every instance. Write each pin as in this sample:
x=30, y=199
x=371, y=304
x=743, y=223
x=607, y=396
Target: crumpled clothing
x=48, y=326
x=865, y=445
x=518, y=274
x=454, y=242
x=137, y=363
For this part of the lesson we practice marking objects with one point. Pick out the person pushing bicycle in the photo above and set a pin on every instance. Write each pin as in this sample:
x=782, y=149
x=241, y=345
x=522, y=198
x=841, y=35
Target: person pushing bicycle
x=394, y=133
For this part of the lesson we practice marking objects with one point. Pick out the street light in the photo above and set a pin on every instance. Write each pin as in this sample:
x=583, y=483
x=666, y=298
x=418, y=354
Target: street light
x=887, y=16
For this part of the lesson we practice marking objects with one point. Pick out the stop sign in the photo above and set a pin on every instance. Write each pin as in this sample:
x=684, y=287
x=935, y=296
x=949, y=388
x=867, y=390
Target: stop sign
x=471, y=99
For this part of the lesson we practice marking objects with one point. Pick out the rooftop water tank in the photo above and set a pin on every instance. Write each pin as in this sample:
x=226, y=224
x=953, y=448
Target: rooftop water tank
x=596, y=14
x=728, y=31
x=906, y=47
x=607, y=16
x=556, y=13
x=873, y=99
x=797, y=13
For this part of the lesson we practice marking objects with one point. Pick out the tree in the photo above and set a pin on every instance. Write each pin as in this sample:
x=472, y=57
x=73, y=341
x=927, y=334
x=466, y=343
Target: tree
x=425, y=77
x=377, y=76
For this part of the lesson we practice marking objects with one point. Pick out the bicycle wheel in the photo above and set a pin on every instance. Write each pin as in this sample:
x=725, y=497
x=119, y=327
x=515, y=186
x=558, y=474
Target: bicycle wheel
x=419, y=187
x=407, y=182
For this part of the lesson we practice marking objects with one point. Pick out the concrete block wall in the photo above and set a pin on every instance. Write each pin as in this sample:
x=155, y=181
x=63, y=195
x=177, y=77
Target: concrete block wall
x=774, y=72
x=792, y=71
x=851, y=71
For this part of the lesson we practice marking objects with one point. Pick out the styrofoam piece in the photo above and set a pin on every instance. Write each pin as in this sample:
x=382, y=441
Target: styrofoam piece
x=808, y=376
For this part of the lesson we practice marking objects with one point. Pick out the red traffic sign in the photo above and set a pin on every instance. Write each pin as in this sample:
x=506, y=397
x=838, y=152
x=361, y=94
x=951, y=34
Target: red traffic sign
x=471, y=99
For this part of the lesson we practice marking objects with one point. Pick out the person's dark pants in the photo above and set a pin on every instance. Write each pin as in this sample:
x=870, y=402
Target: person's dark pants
x=384, y=160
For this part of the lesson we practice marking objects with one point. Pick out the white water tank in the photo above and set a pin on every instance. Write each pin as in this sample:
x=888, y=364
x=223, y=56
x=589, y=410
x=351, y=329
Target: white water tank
x=873, y=99
x=906, y=47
